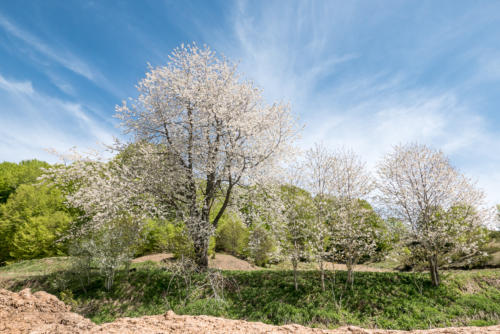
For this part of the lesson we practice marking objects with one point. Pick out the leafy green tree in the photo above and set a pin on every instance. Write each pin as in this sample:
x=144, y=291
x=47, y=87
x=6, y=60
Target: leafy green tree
x=353, y=234
x=108, y=249
x=297, y=229
x=160, y=236
x=260, y=211
x=31, y=222
x=232, y=235
x=12, y=175
x=385, y=235
x=36, y=238
x=262, y=245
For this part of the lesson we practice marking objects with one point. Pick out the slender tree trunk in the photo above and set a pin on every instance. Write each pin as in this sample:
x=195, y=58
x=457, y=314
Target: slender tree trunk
x=294, y=264
x=433, y=268
x=350, y=276
x=322, y=269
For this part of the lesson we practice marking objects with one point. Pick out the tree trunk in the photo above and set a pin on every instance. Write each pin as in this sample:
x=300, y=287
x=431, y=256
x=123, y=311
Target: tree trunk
x=322, y=269
x=350, y=276
x=294, y=263
x=201, y=255
x=433, y=268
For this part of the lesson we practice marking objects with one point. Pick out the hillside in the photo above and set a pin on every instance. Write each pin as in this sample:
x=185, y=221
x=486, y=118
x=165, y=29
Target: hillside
x=43, y=313
x=389, y=300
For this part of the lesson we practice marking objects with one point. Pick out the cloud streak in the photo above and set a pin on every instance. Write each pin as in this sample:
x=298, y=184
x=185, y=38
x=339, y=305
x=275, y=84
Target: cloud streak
x=60, y=56
x=301, y=55
x=33, y=122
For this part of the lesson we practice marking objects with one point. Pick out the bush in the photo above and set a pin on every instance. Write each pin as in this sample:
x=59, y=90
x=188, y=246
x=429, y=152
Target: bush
x=31, y=222
x=160, y=236
x=107, y=249
x=37, y=237
x=232, y=236
x=261, y=246
x=13, y=175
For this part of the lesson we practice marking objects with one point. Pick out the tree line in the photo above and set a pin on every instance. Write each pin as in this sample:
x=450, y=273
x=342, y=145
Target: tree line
x=209, y=158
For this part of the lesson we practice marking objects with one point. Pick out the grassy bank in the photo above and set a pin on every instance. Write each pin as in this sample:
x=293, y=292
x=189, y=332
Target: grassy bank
x=378, y=299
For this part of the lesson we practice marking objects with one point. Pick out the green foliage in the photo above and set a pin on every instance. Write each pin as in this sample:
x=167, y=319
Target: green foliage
x=298, y=213
x=232, y=235
x=107, y=249
x=159, y=236
x=386, y=234
x=261, y=246
x=37, y=237
x=31, y=222
x=211, y=246
x=12, y=175
x=156, y=236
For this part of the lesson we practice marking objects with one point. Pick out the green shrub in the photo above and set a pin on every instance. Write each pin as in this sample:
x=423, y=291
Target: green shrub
x=261, y=246
x=160, y=236
x=12, y=175
x=110, y=247
x=31, y=222
x=37, y=237
x=232, y=236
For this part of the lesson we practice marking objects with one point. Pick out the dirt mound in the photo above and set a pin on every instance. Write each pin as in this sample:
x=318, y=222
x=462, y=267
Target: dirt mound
x=172, y=323
x=42, y=313
x=221, y=261
x=229, y=262
x=358, y=267
x=154, y=257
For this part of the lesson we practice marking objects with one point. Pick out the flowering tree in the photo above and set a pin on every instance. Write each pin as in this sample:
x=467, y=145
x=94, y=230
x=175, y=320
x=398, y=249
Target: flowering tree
x=217, y=127
x=297, y=225
x=113, y=200
x=260, y=209
x=352, y=233
x=102, y=191
x=444, y=211
x=319, y=164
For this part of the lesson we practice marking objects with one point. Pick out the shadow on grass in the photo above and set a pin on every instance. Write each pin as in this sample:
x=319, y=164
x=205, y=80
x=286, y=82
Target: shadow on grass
x=377, y=299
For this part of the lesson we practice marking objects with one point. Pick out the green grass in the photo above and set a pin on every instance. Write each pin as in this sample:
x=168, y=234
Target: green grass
x=379, y=299
x=38, y=267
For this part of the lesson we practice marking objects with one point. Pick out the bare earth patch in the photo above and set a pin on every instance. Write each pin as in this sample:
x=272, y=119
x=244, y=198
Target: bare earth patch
x=359, y=267
x=43, y=313
x=229, y=262
x=221, y=261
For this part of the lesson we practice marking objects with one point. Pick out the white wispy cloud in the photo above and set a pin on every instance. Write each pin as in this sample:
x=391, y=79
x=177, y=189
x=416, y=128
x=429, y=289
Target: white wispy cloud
x=59, y=55
x=33, y=122
x=14, y=87
x=291, y=52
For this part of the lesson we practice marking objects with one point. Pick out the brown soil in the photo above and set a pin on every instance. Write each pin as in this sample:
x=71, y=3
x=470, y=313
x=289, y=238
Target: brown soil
x=221, y=261
x=358, y=267
x=42, y=313
x=229, y=262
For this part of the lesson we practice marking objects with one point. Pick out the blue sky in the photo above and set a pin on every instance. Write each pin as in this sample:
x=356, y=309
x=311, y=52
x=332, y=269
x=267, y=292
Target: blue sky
x=360, y=74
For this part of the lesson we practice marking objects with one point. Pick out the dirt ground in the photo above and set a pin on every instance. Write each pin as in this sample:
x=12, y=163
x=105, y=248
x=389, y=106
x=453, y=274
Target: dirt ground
x=229, y=262
x=359, y=267
x=221, y=261
x=42, y=313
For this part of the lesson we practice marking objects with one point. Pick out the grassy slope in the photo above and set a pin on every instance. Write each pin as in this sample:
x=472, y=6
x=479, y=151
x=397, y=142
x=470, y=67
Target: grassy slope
x=384, y=299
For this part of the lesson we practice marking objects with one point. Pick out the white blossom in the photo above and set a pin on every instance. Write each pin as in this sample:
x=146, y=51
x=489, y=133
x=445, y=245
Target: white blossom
x=199, y=130
x=444, y=211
